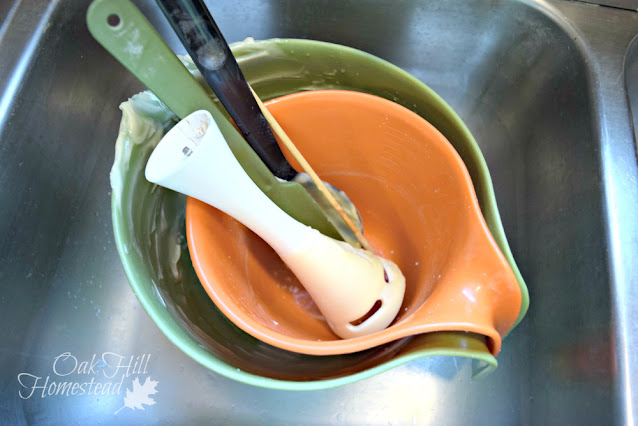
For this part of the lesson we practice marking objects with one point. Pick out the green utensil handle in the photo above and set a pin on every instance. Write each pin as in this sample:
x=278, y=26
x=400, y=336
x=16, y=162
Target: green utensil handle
x=127, y=35
x=124, y=31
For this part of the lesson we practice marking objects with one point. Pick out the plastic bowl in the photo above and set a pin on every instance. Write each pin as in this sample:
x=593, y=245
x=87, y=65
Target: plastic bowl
x=150, y=235
x=419, y=210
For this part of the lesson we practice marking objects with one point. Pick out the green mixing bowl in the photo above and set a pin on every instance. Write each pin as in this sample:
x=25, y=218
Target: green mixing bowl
x=149, y=223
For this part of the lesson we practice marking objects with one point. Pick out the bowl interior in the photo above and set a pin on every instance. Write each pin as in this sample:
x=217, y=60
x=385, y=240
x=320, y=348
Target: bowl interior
x=278, y=67
x=418, y=208
x=150, y=235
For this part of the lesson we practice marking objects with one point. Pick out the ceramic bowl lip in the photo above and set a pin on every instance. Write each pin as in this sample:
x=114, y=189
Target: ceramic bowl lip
x=178, y=336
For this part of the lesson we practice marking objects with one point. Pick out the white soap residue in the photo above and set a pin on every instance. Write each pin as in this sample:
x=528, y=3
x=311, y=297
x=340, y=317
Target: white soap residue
x=144, y=120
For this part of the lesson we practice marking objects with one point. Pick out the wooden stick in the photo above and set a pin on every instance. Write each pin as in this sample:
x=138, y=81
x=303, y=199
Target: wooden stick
x=313, y=176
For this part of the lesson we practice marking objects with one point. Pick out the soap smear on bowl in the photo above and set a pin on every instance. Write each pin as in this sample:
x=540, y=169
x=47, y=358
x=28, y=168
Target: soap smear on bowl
x=145, y=119
x=148, y=219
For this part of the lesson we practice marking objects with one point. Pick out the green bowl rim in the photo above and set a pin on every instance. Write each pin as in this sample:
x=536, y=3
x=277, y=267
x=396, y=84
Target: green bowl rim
x=178, y=336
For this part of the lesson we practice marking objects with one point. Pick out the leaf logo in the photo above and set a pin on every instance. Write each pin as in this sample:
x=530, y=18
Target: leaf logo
x=139, y=396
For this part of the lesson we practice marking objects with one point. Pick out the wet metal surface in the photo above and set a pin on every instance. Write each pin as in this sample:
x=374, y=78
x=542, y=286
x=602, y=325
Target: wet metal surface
x=543, y=86
x=623, y=4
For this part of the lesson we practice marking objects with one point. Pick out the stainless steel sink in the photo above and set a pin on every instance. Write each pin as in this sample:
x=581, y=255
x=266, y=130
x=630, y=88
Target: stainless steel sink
x=543, y=86
x=631, y=80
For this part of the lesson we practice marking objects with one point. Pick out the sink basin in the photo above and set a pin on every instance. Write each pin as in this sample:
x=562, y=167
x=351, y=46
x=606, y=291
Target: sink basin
x=631, y=81
x=542, y=88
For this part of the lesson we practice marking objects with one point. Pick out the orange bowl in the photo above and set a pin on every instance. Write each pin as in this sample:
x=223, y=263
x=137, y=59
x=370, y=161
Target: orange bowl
x=418, y=207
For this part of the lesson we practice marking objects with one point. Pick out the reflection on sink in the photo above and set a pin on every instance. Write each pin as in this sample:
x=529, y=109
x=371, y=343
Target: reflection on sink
x=533, y=82
x=631, y=80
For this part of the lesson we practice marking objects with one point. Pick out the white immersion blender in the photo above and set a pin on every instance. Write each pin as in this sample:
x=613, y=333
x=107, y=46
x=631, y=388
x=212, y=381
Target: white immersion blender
x=358, y=292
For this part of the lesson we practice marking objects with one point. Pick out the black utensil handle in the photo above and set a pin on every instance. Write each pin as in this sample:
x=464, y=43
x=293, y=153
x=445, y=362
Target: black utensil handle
x=198, y=32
